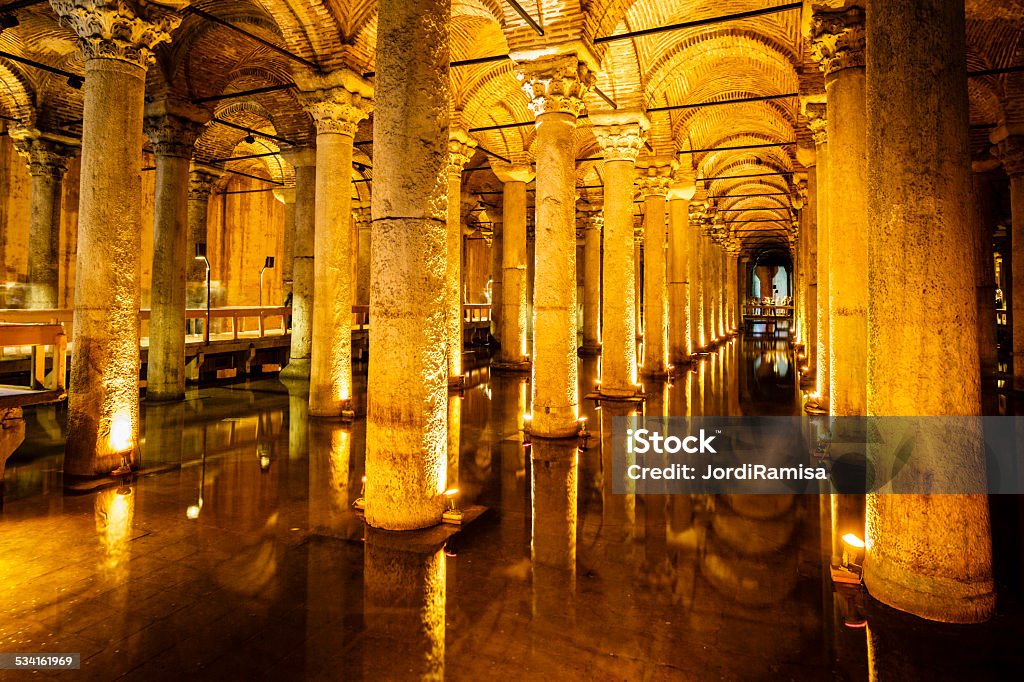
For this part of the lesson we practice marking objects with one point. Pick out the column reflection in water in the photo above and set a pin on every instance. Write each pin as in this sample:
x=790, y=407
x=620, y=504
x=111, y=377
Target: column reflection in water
x=298, y=419
x=333, y=582
x=555, y=467
x=163, y=432
x=114, y=514
x=403, y=608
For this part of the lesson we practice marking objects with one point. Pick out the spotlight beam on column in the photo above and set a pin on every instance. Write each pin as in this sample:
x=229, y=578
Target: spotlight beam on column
x=701, y=22
x=268, y=136
x=525, y=16
x=244, y=93
x=252, y=36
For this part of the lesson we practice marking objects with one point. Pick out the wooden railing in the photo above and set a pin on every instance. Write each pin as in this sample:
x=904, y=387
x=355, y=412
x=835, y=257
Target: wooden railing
x=762, y=310
x=237, y=316
x=476, y=312
x=39, y=337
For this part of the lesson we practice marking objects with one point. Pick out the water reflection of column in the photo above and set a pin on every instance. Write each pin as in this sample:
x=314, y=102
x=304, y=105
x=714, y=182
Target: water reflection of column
x=114, y=513
x=454, y=438
x=618, y=510
x=298, y=419
x=332, y=566
x=163, y=428
x=554, y=465
x=332, y=488
x=403, y=609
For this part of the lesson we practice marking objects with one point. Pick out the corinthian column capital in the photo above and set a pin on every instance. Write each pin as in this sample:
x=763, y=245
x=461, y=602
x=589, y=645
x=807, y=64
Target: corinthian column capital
x=124, y=30
x=173, y=127
x=655, y=177
x=817, y=121
x=1010, y=151
x=837, y=39
x=337, y=101
x=44, y=155
x=520, y=170
x=621, y=135
x=460, y=150
x=201, y=182
x=556, y=84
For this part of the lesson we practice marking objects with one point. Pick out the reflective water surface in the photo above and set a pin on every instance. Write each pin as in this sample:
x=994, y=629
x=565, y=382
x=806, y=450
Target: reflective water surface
x=239, y=555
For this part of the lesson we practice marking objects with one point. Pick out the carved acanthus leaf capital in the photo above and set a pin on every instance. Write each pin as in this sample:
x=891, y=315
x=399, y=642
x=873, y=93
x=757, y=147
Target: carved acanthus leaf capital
x=43, y=156
x=200, y=184
x=656, y=178
x=460, y=150
x=621, y=134
x=337, y=101
x=361, y=215
x=837, y=39
x=817, y=121
x=124, y=30
x=172, y=135
x=556, y=84
x=589, y=216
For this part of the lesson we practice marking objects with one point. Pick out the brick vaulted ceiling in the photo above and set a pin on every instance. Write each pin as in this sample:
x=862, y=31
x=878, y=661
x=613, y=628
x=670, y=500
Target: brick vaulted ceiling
x=765, y=55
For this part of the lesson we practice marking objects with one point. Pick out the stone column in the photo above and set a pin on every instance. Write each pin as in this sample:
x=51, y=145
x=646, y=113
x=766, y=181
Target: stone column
x=816, y=115
x=173, y=128
x=200, y=186
x=286, y=196
x=696, y=278
x=304, y=162
x=808, y=253
x=592, y=219
x=621, y=136
x=1011, y=151
x=710, y=286
x=406, y=433
x=513, y=353
x=930, y=555
x=364, y=238
x=838, y=44
x=103, y=405
x=460, y=150
x=654, y=179
x=497, y=293
x=555, y=87
x=679, y=343
x=337, y=102
x=47, y=159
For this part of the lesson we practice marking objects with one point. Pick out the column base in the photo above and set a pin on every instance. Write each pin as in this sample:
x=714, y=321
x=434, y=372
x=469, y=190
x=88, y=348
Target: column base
x=589, y=350
x=657, y=375
x=346, y=416
x=931, y=597
x=505, y=366
x=456, y=383
x=616, y=396
x=157, y=396
x=815, y=408
x=297, y=369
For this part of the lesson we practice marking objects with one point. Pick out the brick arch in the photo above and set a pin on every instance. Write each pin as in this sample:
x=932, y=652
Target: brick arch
x=17, y=98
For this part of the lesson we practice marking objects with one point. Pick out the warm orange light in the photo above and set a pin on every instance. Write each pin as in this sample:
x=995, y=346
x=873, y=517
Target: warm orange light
x=853, y=541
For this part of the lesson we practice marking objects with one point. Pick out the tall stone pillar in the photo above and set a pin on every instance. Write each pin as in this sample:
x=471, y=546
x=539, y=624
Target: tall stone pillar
x=680, y=345
x=361, y=215
x=930, y=555
x=47, y=159
x=654, y=180
x=286, y=196
x=201, y=182
x=621, y=136
x=173, y=128
x=304, y=163
x=592, y=219
x=1011, y=152
x=808, y=198
x=103, y=405
x=497, y=276
x=406, y=435
x=460, y=150
x=838, y=44
x=711, y=290
x=816, y=113
x=514, y=353
x=337, y=102
x=555, y=87
x=697, y=338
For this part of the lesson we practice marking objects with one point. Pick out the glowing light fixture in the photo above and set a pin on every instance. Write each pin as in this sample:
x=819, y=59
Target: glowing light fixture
x=268, y=264
x=452, y=514
x=201, y=255
x=851, y=570
x=360, y=502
